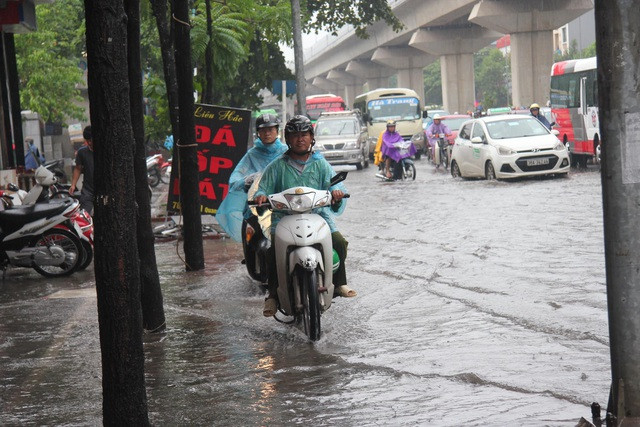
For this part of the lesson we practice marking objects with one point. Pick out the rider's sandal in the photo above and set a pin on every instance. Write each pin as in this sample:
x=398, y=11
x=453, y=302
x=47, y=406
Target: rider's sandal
x=270, y=307
x=345, y=291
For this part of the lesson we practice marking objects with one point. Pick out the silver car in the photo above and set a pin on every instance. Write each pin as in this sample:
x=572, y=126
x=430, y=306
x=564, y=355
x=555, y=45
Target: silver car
x=341, y=137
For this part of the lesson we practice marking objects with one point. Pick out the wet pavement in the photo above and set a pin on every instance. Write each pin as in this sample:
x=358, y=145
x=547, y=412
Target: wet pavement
x=480, y=303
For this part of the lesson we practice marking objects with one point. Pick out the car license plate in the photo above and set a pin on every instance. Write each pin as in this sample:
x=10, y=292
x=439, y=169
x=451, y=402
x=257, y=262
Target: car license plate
x=330, y=154
x=537, y=162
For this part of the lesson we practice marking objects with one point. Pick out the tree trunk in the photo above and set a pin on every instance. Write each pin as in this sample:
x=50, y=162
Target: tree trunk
x=151, y=293
x=168, y=65
x=186, y=143
x=116, y=253
x=207, y=97
x=299, y=60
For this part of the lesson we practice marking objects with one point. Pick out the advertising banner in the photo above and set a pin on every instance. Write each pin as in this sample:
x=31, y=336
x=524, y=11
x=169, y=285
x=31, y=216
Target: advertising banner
x=221, y=134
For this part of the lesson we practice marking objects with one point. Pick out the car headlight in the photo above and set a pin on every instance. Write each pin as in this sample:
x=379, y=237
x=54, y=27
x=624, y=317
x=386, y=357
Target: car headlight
x=504, y=151
x=560, y=146
x=351, y=145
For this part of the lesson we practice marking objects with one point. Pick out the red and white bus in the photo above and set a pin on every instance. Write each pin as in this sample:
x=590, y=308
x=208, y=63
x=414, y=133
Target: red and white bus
x=316, y=104
x=574, y=104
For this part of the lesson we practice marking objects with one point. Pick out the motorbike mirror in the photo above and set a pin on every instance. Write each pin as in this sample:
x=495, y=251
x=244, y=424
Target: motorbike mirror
x=339, y=177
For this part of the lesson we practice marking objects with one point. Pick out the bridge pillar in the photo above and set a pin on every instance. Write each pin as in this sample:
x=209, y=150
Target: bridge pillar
x=455, y=46
x=326, y=85
x=408, y=62
x=374, y=75
x=350, y=82
x=530, y=24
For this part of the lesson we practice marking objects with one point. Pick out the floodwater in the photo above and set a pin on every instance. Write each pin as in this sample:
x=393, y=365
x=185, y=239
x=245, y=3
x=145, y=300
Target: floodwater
x=480, y=303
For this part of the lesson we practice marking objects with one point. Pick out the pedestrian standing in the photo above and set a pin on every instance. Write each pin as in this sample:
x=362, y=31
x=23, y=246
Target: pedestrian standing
x=84, y=166
x=32, y=156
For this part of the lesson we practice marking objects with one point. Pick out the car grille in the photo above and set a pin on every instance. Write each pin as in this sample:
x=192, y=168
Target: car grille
x=522, y=163
x=535, y=150
x=338, y=146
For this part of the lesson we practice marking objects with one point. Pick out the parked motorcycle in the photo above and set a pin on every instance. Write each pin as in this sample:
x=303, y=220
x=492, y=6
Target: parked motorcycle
x=29, y=237
x=48, y=188
x=154, y=169
x=165, y=170
x=404, y=168
x=304, y=259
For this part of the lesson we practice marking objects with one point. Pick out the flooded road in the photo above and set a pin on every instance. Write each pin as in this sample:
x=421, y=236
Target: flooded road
x=480, y=303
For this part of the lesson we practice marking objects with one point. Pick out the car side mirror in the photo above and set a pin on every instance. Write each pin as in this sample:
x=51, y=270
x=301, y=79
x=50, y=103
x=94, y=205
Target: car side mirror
x=553, y=124
x=476, y=140
x=556, y=132
x=425, y=114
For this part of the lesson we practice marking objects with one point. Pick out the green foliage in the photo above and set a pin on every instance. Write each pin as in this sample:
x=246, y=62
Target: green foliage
x=331, y=15
x=574, y=53
x=432, y=84
x=156, y=120
x=264, y=64
x=493, y=75
x=229, y=39
x=48, y=62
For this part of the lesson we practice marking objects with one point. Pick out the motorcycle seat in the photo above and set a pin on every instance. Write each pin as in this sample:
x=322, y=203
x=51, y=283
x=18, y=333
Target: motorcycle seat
x=17, y=216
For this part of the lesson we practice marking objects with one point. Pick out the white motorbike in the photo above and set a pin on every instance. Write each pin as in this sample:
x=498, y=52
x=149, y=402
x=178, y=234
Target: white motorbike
x=305, y=259
x=30, y=237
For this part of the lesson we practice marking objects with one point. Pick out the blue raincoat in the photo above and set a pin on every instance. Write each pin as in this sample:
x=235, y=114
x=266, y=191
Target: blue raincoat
x=234, y=208
x=285, y=173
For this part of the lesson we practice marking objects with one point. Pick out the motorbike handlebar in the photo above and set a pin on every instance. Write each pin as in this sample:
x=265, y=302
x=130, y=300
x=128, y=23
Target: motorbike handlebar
x=253, y=204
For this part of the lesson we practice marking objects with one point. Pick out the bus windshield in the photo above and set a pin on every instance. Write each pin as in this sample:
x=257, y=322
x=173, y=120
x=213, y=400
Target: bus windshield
x=405, y=108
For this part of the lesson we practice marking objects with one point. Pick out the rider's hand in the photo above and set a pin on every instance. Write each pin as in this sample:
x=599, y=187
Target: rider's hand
x=260, y=199
x=72, y=189
x=336, y=196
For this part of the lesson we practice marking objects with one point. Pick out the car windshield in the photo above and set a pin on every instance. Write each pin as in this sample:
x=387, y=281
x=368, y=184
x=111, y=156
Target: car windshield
x=455, y=123
x=335, y=127
x=520, y=128
x=405, y=108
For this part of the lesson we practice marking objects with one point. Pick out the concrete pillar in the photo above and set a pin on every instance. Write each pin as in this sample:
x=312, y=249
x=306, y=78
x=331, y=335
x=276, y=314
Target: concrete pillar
x=530, y=24
x=326, y=85
x=412, y=78
x=458, y=82
x=352, y=85
x=455, y=46
x=350, y=93
x=372, y=74
x=408, y=62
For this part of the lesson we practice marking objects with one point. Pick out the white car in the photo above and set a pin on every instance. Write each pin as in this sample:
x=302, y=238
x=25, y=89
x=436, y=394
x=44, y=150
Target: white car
x=507, y=146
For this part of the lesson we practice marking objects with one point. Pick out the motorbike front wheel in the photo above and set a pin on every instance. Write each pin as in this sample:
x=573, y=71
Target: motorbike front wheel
x=409, y=173
x=154, y=177
x=308, y=281
x=88, y=255
x=71, y=247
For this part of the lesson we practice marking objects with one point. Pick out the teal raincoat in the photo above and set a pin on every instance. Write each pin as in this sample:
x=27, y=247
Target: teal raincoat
x=281, y=174
x=234, y=208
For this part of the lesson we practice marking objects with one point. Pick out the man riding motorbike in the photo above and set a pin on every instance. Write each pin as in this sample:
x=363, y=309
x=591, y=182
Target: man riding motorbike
x=433, y=132
x=534, y=109
x=386, y=150
x=300, y=166
x=266, y=148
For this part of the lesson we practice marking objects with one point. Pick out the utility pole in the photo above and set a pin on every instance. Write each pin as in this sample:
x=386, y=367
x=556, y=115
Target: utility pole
x=296, y=17
x=619, y=100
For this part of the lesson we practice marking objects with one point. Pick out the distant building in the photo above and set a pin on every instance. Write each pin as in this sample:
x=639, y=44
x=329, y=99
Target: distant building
x=582, y=30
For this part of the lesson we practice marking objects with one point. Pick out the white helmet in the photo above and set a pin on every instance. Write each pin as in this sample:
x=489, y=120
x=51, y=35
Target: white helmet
x=437, y=117
x=44, y=176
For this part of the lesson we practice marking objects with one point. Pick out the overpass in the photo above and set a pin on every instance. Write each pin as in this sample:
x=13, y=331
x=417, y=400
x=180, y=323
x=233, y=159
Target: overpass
x=449, y=30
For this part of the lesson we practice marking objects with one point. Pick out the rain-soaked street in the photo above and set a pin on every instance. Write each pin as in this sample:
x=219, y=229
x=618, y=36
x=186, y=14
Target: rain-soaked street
x=480, y=303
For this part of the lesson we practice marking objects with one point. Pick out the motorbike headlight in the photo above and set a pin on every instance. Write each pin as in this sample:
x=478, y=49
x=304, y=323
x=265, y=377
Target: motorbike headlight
x=351, y=145
x=504, y=151
x=279, y=205
x=559, y=146
x=418, y=137
x=323, y=201
x=299, y=202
